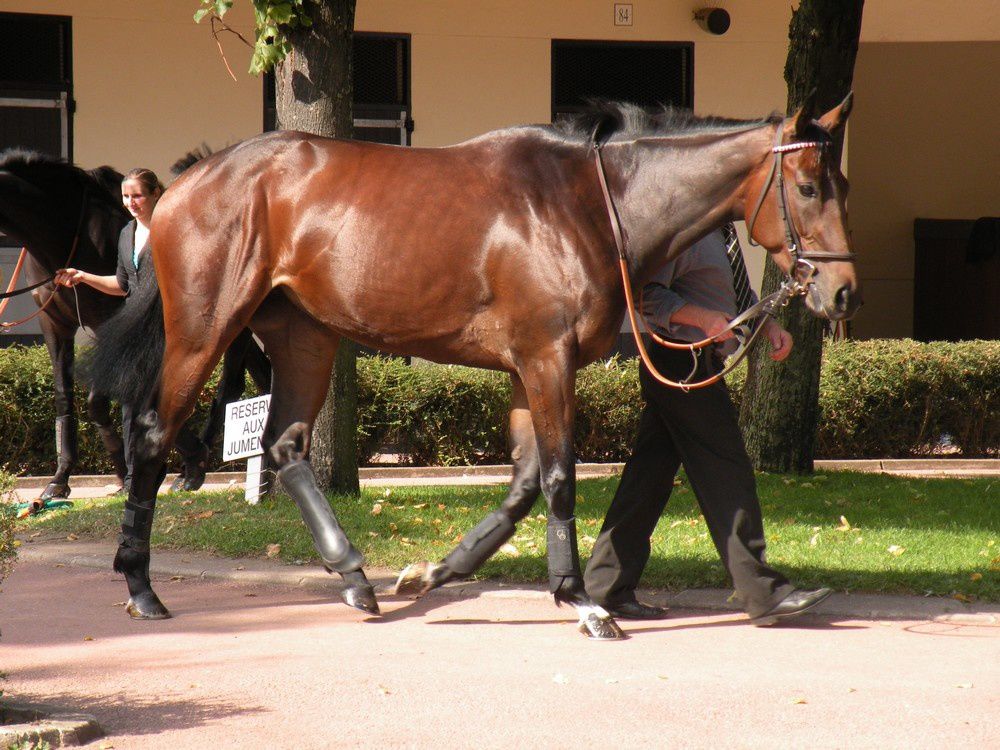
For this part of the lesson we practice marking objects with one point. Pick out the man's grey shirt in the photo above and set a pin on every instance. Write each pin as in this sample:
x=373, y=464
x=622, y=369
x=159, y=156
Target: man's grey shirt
x=700, y=275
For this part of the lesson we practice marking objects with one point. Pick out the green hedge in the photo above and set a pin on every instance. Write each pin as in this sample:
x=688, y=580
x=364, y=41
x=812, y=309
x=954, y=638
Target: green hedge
x=7, y=515
x=879, y=399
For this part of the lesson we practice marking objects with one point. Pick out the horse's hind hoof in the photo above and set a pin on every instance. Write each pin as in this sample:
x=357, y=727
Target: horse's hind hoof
x=420, y=577
x=178, y=484
x=599, y=628
x=361, y=597
x=146, y=606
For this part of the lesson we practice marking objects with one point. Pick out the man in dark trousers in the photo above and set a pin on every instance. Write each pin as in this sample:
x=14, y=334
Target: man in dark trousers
x=691, y=299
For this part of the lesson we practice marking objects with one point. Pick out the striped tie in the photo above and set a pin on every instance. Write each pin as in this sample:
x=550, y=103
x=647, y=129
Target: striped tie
x=741, y=279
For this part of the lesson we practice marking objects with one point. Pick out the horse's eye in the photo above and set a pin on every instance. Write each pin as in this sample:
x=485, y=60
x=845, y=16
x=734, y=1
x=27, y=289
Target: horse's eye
x=807, y=190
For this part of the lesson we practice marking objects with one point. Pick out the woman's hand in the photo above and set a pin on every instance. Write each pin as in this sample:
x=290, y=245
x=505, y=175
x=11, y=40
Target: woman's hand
x=69, y=276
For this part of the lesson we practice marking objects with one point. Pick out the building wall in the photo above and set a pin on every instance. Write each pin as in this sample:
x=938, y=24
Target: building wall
x=150, y=85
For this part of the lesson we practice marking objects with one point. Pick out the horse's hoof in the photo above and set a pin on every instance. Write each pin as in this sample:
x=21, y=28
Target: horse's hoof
x=53, y=490
x=361, y=597
x=599, y=628
x=420, y=577
x=146, y=606
x=178, y=484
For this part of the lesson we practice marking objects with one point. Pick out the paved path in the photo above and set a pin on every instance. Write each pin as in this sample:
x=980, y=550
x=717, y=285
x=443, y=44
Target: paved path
x=266, y=656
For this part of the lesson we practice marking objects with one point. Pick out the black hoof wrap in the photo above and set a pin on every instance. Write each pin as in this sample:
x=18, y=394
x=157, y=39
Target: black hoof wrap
x=478, y=545
x=564, y=558
x=331, y=542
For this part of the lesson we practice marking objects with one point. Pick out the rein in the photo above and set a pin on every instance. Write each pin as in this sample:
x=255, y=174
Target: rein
x=11, y=292
x=770, y=305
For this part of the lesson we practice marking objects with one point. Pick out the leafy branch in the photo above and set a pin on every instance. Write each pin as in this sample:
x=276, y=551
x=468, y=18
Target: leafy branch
x=272, y=19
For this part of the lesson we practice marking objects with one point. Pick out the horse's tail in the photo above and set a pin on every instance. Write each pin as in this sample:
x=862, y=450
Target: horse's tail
x=126, y=360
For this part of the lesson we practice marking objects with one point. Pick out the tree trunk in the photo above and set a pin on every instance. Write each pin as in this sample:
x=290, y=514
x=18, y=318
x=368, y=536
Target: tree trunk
x=780, y=405
x=313, y=93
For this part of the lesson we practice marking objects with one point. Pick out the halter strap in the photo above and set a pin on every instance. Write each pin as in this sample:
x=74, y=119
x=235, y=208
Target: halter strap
x=792, y=239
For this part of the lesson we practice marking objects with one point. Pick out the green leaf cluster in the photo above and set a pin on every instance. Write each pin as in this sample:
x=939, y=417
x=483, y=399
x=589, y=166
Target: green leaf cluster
x=272, y=19
x=7, y=520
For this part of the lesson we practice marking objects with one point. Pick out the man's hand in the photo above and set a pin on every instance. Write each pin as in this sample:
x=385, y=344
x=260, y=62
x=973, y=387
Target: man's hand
x=712, y=322
x=781, y=340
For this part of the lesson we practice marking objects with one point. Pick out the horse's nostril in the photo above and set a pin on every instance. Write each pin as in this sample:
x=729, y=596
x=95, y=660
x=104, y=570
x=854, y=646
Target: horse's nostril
x=843, y=299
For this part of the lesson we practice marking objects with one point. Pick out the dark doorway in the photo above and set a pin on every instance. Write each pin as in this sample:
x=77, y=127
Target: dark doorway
x=36, y=105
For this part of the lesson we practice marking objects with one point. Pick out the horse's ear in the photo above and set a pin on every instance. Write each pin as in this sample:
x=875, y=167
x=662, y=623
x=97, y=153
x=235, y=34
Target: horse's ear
x=835, y=120
x=802, y=119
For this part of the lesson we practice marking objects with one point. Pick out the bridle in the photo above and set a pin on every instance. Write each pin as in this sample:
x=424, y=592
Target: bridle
x=11, y=292
x=800, y=258
x=793, y=285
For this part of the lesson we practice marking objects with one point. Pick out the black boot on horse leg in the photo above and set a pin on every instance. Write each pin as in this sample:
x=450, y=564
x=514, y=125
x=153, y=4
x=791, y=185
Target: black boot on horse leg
x=478, y=545
x=67, y=445
x=132, y=558
x=566, y=581
x=335, y=549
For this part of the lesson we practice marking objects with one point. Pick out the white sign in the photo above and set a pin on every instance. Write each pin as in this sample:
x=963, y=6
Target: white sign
x=245, y=422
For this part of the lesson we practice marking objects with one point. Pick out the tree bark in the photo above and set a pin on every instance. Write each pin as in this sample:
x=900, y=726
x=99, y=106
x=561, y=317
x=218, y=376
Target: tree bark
x=313, y=93
x=780, y=406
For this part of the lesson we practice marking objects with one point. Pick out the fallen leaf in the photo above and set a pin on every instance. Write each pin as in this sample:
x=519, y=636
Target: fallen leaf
x=510, y=549
x=383, y=690
x=976, y=577
x=814, y=540
x=376, y=509
x=420, y=505
x=187, y=502
x=610, y=680
x=273, y=550
x=895, y=549
x=88, y=637
x=662, y=677
x=845, y=525
x=964, y=686
x=241, y=567
x=440, y=506
x=799, y=701
x=176, y=578
x=71, y=537
x=560, y=679
x=249, y=595
x=373, y=534
x=387, y=492
x=964, y=598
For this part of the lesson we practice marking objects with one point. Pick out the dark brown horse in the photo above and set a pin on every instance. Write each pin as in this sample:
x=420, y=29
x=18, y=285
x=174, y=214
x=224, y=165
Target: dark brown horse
x=495, y=253
x=64, y=215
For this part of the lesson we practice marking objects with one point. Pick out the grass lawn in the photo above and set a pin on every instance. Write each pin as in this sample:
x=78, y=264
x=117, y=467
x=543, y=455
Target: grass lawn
x=852, y=531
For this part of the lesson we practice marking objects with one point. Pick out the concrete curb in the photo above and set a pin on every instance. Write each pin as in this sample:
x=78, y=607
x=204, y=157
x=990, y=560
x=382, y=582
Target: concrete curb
x=41, y=723
x=955, y=467
x=170, y=564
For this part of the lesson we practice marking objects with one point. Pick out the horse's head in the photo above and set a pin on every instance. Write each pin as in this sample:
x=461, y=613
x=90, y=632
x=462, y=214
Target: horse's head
x=799, y=211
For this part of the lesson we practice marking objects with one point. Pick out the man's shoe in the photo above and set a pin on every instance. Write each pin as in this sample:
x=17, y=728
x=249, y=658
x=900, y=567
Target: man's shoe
x=792, y=605
x=636, y=610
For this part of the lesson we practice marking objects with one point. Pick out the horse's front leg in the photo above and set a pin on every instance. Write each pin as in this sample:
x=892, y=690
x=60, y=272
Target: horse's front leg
x=550, y=386
x=484, y=540
x=132, y=559
x=59, y=342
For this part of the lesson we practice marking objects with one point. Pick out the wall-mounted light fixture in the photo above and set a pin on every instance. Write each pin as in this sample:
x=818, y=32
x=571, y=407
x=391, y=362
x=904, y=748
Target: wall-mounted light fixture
x=713, y=20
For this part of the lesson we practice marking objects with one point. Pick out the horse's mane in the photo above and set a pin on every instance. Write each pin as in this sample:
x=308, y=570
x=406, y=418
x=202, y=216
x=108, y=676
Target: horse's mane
x=105, y=182
x=189, y=159
x=610, y=120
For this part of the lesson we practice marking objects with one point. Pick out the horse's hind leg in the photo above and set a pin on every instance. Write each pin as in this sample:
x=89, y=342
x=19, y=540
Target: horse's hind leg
x=484, y=540
x=301, y=353
x=99, y=411
x=230, y=388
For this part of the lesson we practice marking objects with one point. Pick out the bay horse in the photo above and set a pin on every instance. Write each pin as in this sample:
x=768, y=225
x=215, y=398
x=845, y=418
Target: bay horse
x=498, y=252
x=64, y=215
